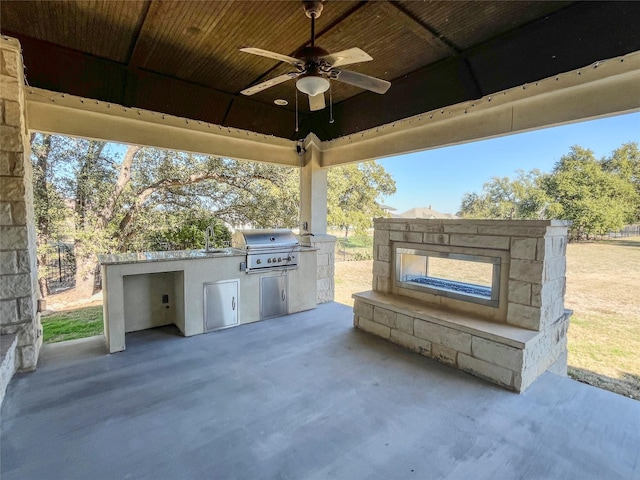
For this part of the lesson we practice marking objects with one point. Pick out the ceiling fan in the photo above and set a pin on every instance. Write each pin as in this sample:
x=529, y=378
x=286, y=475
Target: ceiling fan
x=315, y=67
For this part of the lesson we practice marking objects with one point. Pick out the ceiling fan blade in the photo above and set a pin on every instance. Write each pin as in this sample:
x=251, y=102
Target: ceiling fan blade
x=360, y=80
x=273, y=55
x=269, y=83
x=347, y=57
x=316, y=102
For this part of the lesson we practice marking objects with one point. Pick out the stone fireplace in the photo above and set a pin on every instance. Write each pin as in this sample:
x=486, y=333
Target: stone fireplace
x=485, y=296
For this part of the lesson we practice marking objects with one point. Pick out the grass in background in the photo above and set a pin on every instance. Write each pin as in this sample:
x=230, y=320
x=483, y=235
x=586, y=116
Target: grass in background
x=72, y=324
x=354, y=247
x=604, y=333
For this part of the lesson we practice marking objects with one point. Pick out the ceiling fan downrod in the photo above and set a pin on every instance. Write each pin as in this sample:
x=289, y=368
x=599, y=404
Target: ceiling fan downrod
x=313, y=9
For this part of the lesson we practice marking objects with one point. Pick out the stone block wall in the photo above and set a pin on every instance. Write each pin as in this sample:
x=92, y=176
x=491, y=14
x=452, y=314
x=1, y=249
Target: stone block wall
x=19, y=292
x=510, y=360
x=532, y=256
x=510, y=344
x=326, y=245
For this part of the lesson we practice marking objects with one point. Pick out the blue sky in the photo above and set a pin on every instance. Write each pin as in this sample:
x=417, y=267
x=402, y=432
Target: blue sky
x=442, y=176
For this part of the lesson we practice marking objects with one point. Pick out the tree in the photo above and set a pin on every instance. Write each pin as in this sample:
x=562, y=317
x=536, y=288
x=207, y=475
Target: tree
x=109, y=198
x=124, y=202
x=597, y=196
x=49, y=206
x=625, y=162
x=353, y=193
x=502, y=197
x=595, y=200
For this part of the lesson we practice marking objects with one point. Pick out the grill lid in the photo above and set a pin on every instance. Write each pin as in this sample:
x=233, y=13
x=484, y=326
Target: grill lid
x=276, y=238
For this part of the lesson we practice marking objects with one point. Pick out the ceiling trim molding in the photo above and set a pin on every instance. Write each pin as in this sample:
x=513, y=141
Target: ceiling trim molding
x=58, y=113
x=602, y=89
x=605, y=88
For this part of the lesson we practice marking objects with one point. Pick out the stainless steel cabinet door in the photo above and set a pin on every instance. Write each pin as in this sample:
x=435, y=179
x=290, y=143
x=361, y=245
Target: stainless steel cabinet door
x=220, y=304
x=273, y=297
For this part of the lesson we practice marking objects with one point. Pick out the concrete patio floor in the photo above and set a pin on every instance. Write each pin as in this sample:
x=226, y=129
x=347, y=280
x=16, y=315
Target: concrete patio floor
x=300, y=397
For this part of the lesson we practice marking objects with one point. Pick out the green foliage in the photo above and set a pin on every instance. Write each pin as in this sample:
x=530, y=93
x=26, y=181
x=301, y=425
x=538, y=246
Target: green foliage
x=90, y=194
x=357, y=241
x=625, y=162
x=598, y=196
x=353, y=193
x=72, y=324
x=521, y=198
x=595, y=200
x=362, y=256
x=188, y=233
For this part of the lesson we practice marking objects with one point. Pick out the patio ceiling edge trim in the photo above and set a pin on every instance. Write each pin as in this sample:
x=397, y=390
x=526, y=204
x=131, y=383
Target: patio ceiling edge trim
x=60, y=113
x=608, y=87
x=605, y=88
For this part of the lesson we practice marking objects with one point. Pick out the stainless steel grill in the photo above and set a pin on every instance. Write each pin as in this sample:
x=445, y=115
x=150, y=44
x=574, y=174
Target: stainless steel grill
x=268, y=249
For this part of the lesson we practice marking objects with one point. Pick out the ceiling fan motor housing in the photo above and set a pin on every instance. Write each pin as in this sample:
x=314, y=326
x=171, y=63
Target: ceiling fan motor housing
x=311, y=54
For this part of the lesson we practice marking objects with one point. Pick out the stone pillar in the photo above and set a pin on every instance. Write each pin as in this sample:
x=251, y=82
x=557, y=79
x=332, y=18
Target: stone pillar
x=19, y=292
x=313, y=217
x=313, y=190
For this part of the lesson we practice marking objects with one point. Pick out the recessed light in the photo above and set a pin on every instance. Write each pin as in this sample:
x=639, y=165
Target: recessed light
x=281, y=102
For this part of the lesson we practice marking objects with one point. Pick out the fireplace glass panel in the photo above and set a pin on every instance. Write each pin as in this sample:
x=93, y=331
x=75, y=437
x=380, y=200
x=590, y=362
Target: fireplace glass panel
x=472, y=278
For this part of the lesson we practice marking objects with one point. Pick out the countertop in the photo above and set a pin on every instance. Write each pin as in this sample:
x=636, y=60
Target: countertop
x=145, y=257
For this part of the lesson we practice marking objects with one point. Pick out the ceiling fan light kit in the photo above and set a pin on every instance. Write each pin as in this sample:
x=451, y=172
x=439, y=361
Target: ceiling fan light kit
x=315, y=67
x=312, y=85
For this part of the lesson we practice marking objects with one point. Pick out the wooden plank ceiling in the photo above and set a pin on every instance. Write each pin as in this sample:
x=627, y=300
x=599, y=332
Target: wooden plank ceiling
x=182, y=57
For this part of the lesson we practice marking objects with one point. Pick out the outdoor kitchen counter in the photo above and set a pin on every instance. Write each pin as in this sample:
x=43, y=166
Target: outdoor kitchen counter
x=152, y=289
x=139, y=257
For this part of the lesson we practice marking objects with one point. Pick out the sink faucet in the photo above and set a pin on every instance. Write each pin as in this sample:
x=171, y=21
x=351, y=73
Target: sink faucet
x=209, y=238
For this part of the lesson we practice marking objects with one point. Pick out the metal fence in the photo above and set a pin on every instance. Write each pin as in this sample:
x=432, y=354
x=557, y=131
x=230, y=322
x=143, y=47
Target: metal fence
x=61, y=268
x=628, y=231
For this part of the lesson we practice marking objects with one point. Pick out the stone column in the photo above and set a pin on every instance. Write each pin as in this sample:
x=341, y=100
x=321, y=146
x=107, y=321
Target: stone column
x=19, y=292
x=313, y=217
x=313, y=190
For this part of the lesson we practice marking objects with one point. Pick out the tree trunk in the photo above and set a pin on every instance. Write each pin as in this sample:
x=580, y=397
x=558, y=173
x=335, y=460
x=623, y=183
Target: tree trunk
x=43, y=286
x=124, y=177
x=85, y=272
x=41, y=191
x=85, y=262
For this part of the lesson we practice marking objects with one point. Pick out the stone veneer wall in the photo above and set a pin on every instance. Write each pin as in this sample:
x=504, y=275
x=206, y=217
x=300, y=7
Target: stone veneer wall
x=533, y=262
x=511, y=344
x=326, y=245
x=19, y=292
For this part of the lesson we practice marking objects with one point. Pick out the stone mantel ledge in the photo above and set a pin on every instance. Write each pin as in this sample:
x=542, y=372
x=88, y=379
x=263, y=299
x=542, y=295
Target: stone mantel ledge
x=466, y=322
x=486, y=222
x=515, y=228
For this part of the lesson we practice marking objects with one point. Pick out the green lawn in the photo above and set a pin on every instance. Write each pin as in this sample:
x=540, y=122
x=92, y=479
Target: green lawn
x=72, y=324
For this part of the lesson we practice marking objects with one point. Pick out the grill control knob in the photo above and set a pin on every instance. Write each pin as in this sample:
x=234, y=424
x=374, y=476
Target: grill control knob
x=269, y=260
x=279, y=259
x=258, y=261
x=273, y=259
x=289, y=258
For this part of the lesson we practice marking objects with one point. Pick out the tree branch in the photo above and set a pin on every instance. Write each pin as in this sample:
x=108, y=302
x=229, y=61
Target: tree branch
x=106, y=214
